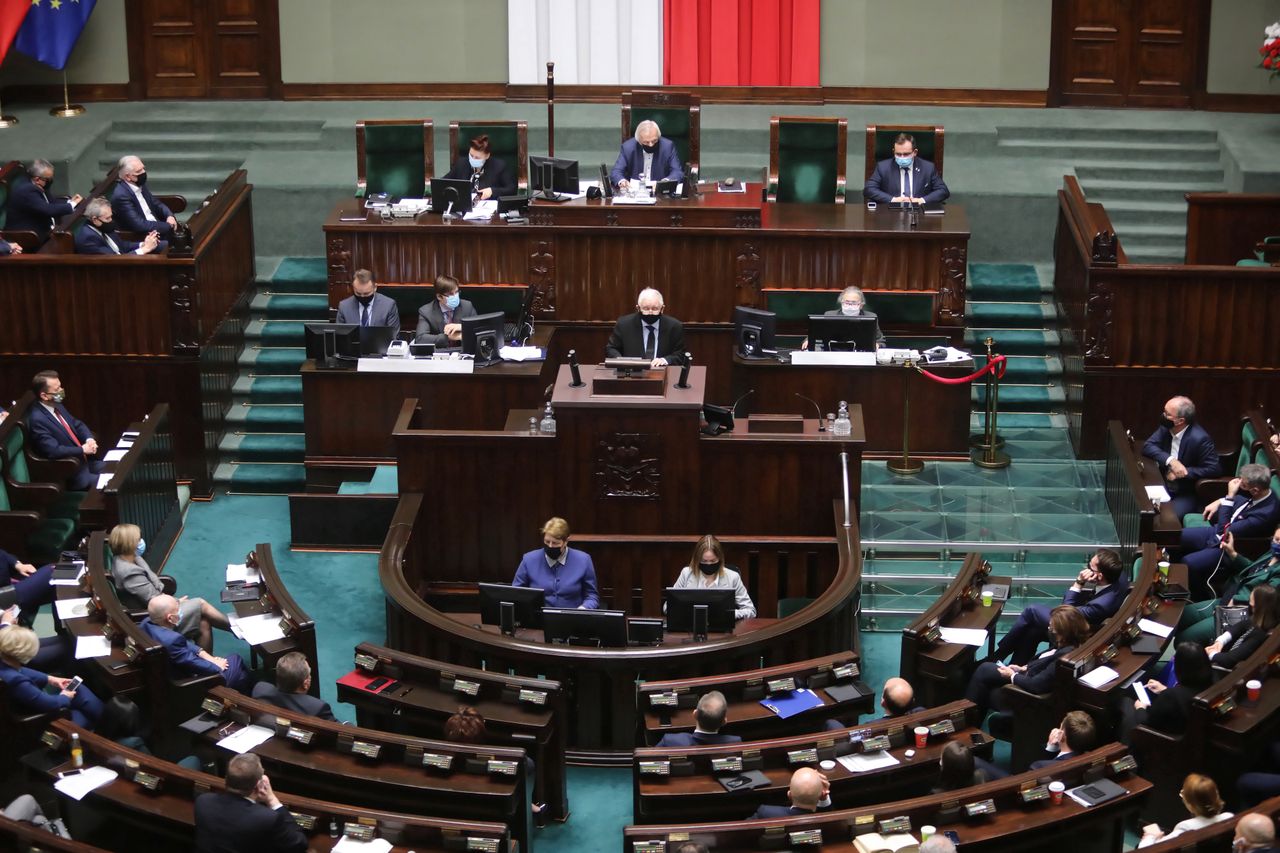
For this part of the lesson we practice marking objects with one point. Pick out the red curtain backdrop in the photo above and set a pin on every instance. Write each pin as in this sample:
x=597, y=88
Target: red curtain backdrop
x=741, y=42
x=11, y=14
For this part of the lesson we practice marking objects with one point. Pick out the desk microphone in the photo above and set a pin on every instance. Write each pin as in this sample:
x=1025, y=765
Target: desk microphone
x=683, y=382
x=573, y=369
x=734, y=407
x=822, y=427
x=448, y=211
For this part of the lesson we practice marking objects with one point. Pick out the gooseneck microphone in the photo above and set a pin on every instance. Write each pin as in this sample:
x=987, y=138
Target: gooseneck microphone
x=683, y=381
x=734, y=407
x=574, y=371
x=822, y=425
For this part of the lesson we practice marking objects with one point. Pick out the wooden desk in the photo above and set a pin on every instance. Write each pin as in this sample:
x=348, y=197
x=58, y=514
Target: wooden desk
x=1128, y=474
x=300, y=629
x=588, y=259
x=1215, y=838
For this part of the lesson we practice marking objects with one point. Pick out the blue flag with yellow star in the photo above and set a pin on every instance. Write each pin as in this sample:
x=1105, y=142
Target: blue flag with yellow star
x=51, y=30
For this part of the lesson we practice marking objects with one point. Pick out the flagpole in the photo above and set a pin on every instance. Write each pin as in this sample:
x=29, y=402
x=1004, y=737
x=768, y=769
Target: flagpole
x=6, y=120
x=68, y=109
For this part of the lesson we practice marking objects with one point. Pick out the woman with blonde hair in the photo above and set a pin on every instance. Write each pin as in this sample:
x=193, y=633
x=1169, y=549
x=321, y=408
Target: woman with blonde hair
x=27, y=688
x=707, y=570
x=1200, y=796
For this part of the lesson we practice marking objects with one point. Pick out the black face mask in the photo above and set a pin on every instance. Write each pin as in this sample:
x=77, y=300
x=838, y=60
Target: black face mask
x=552, y=552
x=366, y=300
x=709, y=568
x=649, y=149
x=1165, y=422
x=142, y=179
x=650, y=318
x=106, y=227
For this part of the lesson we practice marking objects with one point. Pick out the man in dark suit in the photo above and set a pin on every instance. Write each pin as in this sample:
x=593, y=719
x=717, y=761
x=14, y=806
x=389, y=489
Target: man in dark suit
x=1184, y=452
x=1075, y=735
x=1248, y=510
x=898, y=698
x=647, y=157
x=809, y=791
x=95, y=237
x=30, y=208
x=7, y=248
x=906, y=177
x=30, y=585
x=135, y=206
x=366, y=306
x=709, y=717
x=293, y=680
x=57, y=434
x=186, y=659
x=648, y=333
x=440, y=320
x=488, y=175
x=1099, y=590
x=247, y=817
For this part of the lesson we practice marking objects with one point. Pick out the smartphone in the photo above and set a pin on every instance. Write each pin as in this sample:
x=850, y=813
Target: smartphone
x=63, y=774
x=977, y=739
x=376, y=684
x=75, y=684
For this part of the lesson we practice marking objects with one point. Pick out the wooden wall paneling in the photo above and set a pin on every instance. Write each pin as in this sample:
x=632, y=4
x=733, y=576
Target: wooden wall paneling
x=174, y=48
x=244, y=51
x=1223, y=228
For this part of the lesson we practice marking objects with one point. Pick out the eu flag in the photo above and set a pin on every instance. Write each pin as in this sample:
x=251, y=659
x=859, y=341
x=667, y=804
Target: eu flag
x=51, y=30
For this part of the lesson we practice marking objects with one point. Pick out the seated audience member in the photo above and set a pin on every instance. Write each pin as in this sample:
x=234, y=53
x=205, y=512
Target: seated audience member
x=1249, y=509
x=851, y=303
x=468, y=726
x=488, y=175
x=648, y=333
x=293, y=680
x=1167, y=711
x=247, y=815
x=1262, y=783
x=646, y=157
x=1255, y=833
x=1200, y=796
x=30, y=585
x=707, y=570
x=709, y=717
x=186, y=659
x=937, y=843
x=956, y=769
x=440, y=320
x=30, y=208
x=366, y=306
x=136, y=584
x=1110, y=586
x=1076, y=734
x=809, y=791
x=7, y=248
x=1242, y=639
x=55, y=651
x=137, y=209
x=26, y=688
x=25, y=809
x=566, y=575
x=898, y=698
x=1067, y=629
x=57, y=434
x=906, y=177
x=1197, y=624
x=96, y=236
x=1184, y=452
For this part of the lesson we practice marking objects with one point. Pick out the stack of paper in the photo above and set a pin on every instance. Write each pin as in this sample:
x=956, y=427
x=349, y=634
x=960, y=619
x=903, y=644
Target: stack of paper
x=92, y=646
x=114, y=455
x=80, y=784
x=963, y=636
x=71, y=608
x=1156, y=628
x=347, y=844
x=861, y=762
x=482, y=211
x=240, y=573
x=256, y=630
x=521, y=353
x=103, y=479
x=246, y=739
x=1098, y=676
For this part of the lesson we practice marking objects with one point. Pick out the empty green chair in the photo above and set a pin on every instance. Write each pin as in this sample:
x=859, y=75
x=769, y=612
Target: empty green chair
x=49, y=498
x=508, y=141
x=807, y=159
x=395, y=156
x=677, y=114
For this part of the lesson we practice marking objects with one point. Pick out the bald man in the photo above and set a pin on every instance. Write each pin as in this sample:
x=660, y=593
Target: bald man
x=186, y=659
x=809, y=791
x=898, y=698
x=648, y=333
x=1255, y=833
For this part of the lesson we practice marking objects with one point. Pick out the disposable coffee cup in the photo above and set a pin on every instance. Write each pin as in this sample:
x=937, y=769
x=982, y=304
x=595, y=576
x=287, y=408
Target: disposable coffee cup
x=1163, y=565
x=922, y=737
x=1055, y=792
x=1253, y=689
x=926, y=831
x=987, y=597
x=871, y=205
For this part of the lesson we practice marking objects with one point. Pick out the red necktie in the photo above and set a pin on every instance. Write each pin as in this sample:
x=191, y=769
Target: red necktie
x=67, y=427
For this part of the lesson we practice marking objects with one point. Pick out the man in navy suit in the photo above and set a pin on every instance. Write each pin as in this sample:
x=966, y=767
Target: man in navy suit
x=293, y=680
x=809, y=791
x=1249, y=509
x=7, y=248
x=648, y=333
x=96, y=237
x=30, y=585
x=137, y=208
x=1099, y=590
x=30, y=208
x=1184, y=452
x=247, y=816
x=647, y=157
x=57, y=434
x=186, y=659
x=366, y=306
x=709, y=717
x=906, y=177
x=1077, y=734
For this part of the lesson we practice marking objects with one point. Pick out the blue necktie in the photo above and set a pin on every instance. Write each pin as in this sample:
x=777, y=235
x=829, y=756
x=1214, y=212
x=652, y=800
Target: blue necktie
x=364, y=315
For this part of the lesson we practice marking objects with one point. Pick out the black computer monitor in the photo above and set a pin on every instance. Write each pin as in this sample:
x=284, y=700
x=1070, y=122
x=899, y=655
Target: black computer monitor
x=838, y=333
x=482, y=337
x=754, y=332
x=374, y=340
x=602, y=628
x=332, y=345
x=682, y=600
x=450, y=190
x=552, y=175
x=527, y=600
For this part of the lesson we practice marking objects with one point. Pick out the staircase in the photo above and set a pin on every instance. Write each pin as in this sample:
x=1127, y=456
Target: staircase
x=1139, y=175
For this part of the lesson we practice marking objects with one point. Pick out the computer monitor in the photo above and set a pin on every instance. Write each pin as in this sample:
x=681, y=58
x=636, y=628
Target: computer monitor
x=838, y=333
x=601, y=628
x=754, y=331
x=374, y=340
x=482, y=337
x=682, y=600
x=527, y=600
x=450, y=190
x=332, y=345
x=552, y=175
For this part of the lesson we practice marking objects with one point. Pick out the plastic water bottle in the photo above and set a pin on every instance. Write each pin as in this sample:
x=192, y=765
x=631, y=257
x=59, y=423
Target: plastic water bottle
x=843, y=426
x=548, y=424
x=77, y=751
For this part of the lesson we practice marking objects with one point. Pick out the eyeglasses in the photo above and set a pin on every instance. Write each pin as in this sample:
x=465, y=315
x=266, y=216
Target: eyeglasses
x=850, y=304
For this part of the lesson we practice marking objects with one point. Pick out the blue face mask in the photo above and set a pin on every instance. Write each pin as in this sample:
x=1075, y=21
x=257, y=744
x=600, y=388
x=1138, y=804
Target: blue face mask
x=476, y=162
x=142, y=548
x=452, y=301
x=1275, y=550
x=903, y=162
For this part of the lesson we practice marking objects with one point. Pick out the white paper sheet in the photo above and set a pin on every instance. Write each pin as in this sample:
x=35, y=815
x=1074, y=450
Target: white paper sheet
x=963, y=636
x=71, y=608
x=263, y=628
x=520, y=353
x=77, y=786
x=347, y=844
x=861, y=762
x=1156, y=628
x=103, y=479
x=1159, y=494
x=1140, y=690
x=92, y=646
x=1099, y=676
x=241, y=572
x=124, y=443
x=246, y=739
x=627, y=199
x=114, y=455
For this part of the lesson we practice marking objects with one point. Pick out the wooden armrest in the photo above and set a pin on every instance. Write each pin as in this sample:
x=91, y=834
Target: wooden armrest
x=1211, y=489
x=169, y=584
x=15, y=528
x=33, y=496
x=52, y=470
x=28, y=240
x=176, y=203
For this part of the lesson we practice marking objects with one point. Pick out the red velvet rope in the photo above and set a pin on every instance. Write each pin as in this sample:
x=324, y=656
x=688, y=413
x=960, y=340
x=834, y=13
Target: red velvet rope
x=996, y=365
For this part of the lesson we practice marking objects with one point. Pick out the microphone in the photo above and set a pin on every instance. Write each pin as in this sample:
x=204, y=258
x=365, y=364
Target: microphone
x=683, y=382
x=688, y=187
x=606, y=185
x=734, y=407
x=452, y=195
x=822, y=425
x=573, y=369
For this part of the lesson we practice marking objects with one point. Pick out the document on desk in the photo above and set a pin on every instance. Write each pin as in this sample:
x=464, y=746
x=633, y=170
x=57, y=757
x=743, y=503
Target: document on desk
x=415, y=365
x=1098, y=676
x=78, y=785
x=124, y=443
x=845, y=359
x=522, y=353
x=246, y=739
x=71, y=608
x=256, y=630
x=861, y=762
x=241, y=573
x=634, y=199
x=103, y=479
x=963, y=636
x=347, y=844
x=114, y=455
x=793, y=702
x=482, y=211
x=1152, y=627
x=92, y=646
x=1158, y=494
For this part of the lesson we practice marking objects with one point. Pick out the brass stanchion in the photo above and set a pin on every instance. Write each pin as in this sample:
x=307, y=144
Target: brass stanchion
x=68, y=109
x=979, y=439
x=6, y=120
x=906, y=466
x=989, y=455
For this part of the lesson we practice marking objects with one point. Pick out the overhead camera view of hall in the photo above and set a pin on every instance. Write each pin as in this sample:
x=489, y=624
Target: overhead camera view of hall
x=655, y=426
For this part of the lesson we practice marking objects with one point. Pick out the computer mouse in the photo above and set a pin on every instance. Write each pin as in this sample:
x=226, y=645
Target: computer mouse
x=730, y=181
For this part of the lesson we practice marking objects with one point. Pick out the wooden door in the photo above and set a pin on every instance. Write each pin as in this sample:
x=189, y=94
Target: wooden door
x=204, y=48
x=1128, y=53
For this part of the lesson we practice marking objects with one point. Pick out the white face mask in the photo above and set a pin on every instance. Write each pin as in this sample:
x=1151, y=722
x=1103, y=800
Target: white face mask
x=850, y=310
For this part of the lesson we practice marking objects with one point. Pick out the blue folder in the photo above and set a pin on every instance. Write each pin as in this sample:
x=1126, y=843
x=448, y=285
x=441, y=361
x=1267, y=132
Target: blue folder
x=787, y=705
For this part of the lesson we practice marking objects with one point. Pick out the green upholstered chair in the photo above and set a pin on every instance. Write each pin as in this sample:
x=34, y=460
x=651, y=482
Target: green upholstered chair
x=1267, y=254
x=395, y=156
x=929, y=143
x=807, y=159
x=30, y=534
x=49, y=498
x=508, y=141
x=788, y=606
x=892, y=308
x=677, y=114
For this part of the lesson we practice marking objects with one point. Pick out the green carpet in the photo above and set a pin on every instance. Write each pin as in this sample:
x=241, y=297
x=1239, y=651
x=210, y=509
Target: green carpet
x=257, y=479
x=281, y=334
x=1011, y=341
x=300, y=275
x=1022, y=314
x=1017, y=282
x=276, y=389
x=270, y=447
x=284, y=360
x=1022, y=398
x=266, y=418
x=1026, y=368
x=298, y=306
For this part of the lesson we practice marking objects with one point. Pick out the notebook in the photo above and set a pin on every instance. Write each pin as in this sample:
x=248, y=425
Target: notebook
x=1095, y=793
x=747, y=780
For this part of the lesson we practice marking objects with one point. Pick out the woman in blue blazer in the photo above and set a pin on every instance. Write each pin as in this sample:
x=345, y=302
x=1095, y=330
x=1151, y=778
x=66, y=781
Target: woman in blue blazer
x=27, y=689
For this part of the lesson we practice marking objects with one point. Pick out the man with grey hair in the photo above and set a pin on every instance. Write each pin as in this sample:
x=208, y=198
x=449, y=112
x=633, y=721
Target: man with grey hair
x=186, y=659
x=937, y=843
x=646, y=157
x=851, y=303
x=648, y=333
x=30, y=208
x=1184, y=452
x=709, y=717
x=291, y=690
x=1248, y=510
x=96, y=237
x=134, y=204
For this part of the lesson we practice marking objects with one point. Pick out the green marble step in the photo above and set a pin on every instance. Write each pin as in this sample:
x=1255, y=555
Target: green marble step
x=263, y=447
